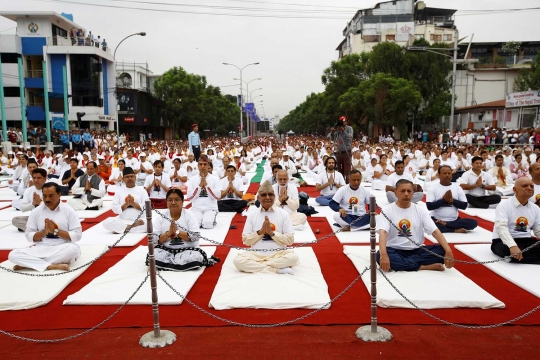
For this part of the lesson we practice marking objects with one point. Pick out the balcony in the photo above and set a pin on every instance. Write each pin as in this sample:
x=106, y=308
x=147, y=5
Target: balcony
x=33, y=79
x=61, y=45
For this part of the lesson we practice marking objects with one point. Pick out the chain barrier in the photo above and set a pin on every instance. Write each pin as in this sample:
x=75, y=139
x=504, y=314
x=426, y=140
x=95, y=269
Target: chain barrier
x=49, y=341
x=231, y=322
x=260, y=250
x=477, y=327
x=81, y=266
x=408, y=237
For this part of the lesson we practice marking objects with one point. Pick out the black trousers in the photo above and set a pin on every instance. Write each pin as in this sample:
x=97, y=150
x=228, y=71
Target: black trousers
x=232, y=205
x=196, y=151
x=483, y=202
x=531, y=256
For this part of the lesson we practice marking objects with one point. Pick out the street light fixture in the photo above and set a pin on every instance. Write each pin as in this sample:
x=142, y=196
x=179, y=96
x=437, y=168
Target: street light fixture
x=241, y=90
x=142, y=33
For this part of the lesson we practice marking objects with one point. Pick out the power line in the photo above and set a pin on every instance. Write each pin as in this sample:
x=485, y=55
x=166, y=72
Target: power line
x=292, y=4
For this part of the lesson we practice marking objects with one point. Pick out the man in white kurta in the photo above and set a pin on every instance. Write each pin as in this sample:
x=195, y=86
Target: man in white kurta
x=32, y=198
x=128, y=203
x=88, y=190
x=204, y=191
x=287, y=198
x=328, y=182
x=267, y=228
x=53, y=228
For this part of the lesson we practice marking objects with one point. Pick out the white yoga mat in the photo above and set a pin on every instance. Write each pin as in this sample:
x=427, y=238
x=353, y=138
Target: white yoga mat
x=219, y=232
x=117, y=284
x=107, y=197
x=485, y=214
x=12, y=238
x=310, y=181
x=19, y=292
x=304, y=235
x=306, y=289
x=351, y=237
x=523, y=275
x=92, y=214
x=5, y=223
x=478, y=235
x=427, y=289
x=8, y=195
x=98, y=235
x=5, y=204
x=9, y=213
x=324, y=211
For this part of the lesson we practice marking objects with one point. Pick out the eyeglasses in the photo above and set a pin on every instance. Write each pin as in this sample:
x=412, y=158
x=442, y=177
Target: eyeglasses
x=267, y=195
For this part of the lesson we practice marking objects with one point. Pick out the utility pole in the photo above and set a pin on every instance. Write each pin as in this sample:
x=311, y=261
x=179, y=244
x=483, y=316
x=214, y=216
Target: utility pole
x=454, y=80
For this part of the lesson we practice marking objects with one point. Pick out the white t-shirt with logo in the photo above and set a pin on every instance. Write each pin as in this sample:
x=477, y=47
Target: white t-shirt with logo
x=353, y=201
x=520, y=219
x=448, y=212
x=413, y=221
x=394, y=178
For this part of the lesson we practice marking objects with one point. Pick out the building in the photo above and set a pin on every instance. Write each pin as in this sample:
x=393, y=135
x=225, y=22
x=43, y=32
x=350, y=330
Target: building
x=482, y=89
x=139, y=112
x=399, y=21
x=45, y=37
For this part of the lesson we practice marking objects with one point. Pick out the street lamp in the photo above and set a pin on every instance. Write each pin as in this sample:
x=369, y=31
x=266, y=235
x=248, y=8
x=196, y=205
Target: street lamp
x=142, y=33
x=241, y=90
x=251, y=92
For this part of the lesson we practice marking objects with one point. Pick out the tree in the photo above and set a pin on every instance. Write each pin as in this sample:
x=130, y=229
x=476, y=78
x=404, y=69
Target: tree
x=529, y=79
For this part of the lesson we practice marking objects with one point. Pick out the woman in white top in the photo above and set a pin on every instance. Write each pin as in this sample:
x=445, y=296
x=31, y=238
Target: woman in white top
x=245, y=159
x=116, y=178
x=358, y=162
x=425, y=163
x=519, y=168
x=176, y=234
x=433, y=173
x=383, y=169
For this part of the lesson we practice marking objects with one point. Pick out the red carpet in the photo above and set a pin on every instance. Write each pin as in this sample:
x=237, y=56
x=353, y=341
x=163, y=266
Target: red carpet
x=352, y=308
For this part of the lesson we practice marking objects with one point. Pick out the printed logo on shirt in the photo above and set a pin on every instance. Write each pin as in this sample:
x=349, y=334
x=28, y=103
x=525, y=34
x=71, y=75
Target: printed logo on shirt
x=203, y=193
x=405, y=227
x=352, y=202
x=522, y=223
x=267, y=237
x=537, y=197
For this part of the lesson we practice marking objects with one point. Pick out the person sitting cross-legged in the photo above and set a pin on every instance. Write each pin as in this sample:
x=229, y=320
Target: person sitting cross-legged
x=444, y=199
x=287, y=198
x=328, y=182
x=88, y=190
x=349, y=204
x=475, y=182
x=399, y=175
x=231, y=196
x=269, y=227
x=53, y=228
x=514, y=220
x=157, y=185
x=401, y=242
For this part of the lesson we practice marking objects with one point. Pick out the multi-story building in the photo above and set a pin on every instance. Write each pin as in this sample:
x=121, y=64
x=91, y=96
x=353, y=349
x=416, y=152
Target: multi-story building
x=399, y=21
x=59, y=42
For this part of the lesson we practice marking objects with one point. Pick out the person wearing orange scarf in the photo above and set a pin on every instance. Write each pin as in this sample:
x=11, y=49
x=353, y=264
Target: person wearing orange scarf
x=103, y=170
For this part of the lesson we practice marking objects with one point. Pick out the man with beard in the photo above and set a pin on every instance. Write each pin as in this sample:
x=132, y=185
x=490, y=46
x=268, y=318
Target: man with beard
x=328, y=182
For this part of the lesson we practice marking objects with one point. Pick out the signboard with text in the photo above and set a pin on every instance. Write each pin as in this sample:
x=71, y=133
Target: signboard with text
x=525, y=98
x=129, y=119
x=403, y=31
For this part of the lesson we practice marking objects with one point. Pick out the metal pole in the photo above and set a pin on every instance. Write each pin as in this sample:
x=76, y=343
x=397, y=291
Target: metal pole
x=66, y=108
x=156, y=338
x=46, y=100
x=3, y=105
x=241, y=105
x=454, y=79
x=373, y=332
x=23, y=101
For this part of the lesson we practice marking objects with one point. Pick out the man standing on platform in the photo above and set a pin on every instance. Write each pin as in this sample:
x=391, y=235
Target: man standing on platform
x=194, y=141
x=342, y=137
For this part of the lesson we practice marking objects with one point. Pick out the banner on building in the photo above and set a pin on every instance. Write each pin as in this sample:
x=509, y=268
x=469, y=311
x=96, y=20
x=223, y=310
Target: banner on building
x=525, y=98
x=127, y=102
x=58, y=123
x=403, y=31
x=129, y=119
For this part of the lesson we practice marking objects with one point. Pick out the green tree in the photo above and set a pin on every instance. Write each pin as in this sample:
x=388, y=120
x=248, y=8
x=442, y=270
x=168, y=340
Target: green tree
x=529, y=79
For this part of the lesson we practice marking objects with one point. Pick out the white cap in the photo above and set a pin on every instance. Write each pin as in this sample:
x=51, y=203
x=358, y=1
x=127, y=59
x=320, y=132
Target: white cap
x=59, y=155
x=10, y=152
x=285, y=153
x=100, y=157
x=142, y=154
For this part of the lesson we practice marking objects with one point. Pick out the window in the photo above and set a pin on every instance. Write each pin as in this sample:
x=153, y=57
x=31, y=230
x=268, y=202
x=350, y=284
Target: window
x=85, y=83
x=390, y=37
x=12, y=91
x=10, y=58
x=435, y=37
x=448, y=37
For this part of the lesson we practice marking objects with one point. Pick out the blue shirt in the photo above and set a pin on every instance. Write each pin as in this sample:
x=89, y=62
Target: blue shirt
x=87, y=137
x=64, y=138
x=76, y=138
x=194, y=139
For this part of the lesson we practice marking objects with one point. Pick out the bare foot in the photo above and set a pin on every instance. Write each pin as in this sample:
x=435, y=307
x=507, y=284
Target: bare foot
x=462, y=231
x=346, y=228
x=138, y=223
x=17, y=268
x=64, y=267
x=432, y=267
x=443, y=223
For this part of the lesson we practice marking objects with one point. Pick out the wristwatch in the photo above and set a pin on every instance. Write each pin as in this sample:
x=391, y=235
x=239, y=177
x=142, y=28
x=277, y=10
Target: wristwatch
x=55, y=232
x=483, y=186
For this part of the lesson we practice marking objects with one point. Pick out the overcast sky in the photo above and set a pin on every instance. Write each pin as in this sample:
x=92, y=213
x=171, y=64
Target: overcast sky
x=292, y=52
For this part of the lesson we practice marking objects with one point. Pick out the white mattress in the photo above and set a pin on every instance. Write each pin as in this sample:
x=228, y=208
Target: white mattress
x=219, y=232
x=117, y=284
x=427, y=289
x=310, y=181
x=323, y=210
x=478, y=235
x=5, y=204
x=12, y=238
x=304, y=235
x=485, y=214
x=9, y=213
x=351, y=237
x=523, y=275
x=4, y=223
x=98, y=235
x=7, y=194
x=92, y=214
x=107, y=197
x=19, y=292
x=305, y=289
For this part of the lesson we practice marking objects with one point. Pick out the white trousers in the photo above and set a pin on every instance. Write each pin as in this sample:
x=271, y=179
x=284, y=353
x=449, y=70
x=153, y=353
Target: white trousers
x=82, y=204
x=16, y=204
x=298, y=218
x=252, y=262
x=118, y=225
x=205, y=217
x=41, y=257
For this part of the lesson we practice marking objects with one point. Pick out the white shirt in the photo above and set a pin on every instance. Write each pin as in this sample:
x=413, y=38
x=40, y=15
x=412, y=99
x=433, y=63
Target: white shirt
x=448, y=162
x=413, y=221
x=78, y=188
x=394, y=178
x=410, y=169
x=165, y=180
x=63, y=216
x=292, y=203
x=448, y=212
x=138, y=193
x=186, y=222
x=194, y=168
x=142, y=175
x=461, y=165
x=237, y=184
x=204, y=198
x=536, y=195
x=353, y=201
x=280, y=222
x=181, y=173
x=515, y=221
x=378, y=168
x=28, y=198
x=324, y=177
x=133, y=163
x=470, y=178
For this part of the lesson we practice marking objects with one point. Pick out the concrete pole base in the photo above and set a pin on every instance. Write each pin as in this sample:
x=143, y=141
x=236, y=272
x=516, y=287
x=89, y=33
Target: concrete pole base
x=50, y=146
x=382, y=335
x=26, y=145
x=6, y=146
x=166, y=338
